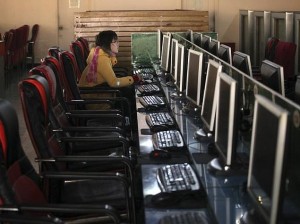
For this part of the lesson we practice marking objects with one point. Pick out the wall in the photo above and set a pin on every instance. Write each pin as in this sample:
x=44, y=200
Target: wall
x=224, y=15
x=227, y=15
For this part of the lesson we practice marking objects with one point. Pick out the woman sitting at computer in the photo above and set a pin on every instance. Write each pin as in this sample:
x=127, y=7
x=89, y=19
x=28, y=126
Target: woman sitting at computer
x=100, y=62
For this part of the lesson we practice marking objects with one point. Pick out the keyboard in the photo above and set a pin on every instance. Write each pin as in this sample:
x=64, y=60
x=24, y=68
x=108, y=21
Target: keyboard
x=168, y=140
x=148, y=89
x=177, y=178
x=152, y=102
x=185, y=218
x=159, y=121
x=146, y=74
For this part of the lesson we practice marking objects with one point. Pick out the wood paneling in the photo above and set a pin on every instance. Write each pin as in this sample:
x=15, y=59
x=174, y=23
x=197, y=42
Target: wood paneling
x=124, y=23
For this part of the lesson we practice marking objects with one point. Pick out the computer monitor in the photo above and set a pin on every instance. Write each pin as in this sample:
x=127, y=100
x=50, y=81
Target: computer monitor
x=194, y=72
x=179, y=63
x=224, y=53
x=209, y=102
x=197, y=39
x=268, y=143
x=159, y=42
x=272, y=76
x=189, y=36
x=173, y=68
x=213, y=46
x=226, y=129
x=242, y=62
x=205, y=40
x=165, y=53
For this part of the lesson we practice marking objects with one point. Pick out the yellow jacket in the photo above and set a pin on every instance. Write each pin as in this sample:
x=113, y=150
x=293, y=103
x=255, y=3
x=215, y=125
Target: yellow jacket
x=105, y=73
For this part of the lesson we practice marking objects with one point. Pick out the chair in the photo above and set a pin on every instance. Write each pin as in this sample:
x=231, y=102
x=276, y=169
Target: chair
x=31, y=43
x=73, y=92
x=8, y=38
x=54, y=51
x=67, y=106
x=85, y=45
x=77, y=196
x=78, y=50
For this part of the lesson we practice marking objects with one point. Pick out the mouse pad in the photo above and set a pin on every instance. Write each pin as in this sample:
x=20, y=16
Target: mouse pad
x=202, y=158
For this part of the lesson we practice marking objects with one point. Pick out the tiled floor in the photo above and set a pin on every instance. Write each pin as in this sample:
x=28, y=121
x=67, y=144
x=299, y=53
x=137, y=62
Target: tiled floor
x=11, y=93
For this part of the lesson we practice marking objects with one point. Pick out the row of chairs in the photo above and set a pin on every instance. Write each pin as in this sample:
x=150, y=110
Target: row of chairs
x=18, y=46
x=86, y=171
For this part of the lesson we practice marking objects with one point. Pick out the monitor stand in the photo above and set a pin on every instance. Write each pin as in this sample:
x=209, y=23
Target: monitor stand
x=170, y=84
x=203, y=135
x=251, y=217
x=177, y=96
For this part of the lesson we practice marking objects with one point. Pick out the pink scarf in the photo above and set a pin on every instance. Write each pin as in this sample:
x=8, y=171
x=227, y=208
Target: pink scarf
x=92, y=73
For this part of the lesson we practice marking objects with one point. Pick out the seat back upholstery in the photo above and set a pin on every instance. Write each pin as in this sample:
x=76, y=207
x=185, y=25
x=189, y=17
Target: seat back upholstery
x=36, y=105
x=58, y=106
x=77, y=49
x=54, y=52
x=85, y=45
x=71, y=74
x=282, y=53
x=17, y=173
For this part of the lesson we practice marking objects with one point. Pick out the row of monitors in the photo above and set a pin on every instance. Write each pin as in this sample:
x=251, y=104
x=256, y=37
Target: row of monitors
x=174, y=58
x=220, y=113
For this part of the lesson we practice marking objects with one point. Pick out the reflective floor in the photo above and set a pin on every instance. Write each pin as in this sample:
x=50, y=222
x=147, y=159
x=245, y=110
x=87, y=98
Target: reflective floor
x=10, y=92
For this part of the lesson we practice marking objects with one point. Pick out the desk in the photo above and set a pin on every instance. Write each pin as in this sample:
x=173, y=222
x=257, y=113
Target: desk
x=224, y=199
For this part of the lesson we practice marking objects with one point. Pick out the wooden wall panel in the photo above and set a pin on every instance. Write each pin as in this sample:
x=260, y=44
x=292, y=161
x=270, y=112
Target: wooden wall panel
x=124, y=23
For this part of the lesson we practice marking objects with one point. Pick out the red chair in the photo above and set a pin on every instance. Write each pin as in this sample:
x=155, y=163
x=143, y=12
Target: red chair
x=30, y=54
x=57, y=196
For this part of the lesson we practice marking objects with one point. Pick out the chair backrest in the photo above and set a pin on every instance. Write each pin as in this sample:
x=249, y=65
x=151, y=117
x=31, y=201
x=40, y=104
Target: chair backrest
x=34, y=32
x=58, y=106
x=77, y=49
x=54, y=52
x=36, y=105
x=13, y=157
x=71, y=74
x=85, y=44
x=282, y=53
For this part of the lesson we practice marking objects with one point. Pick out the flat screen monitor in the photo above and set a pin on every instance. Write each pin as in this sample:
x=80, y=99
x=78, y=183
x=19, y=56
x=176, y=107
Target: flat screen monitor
x=268, y=143
x=194, y=72
x=181, y=72
x=174, y=43
x=197, y=39
x=189, y=36
x=242, y=62
x=226, y=128
x=165, y=53
x=224, y=53
x=272, y=76
x=179, y=60
x=209, y=103
x=159, y=42
x=205, y=42
x=213, y=46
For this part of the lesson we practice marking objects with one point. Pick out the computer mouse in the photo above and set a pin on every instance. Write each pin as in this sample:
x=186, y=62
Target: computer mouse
x=164, y=199
x=159, y=154
x=147, y=81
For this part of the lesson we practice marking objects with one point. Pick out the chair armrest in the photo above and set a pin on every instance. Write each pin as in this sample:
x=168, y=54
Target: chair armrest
x=90, y=129
x=112, y=159
x=107, y=210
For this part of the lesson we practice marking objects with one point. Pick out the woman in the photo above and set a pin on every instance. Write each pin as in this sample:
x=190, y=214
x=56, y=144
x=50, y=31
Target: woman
x=99, y=70
x=100, y=62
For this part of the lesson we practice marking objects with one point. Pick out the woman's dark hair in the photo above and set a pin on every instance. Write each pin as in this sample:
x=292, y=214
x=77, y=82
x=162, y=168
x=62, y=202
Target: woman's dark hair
x=104, y=39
